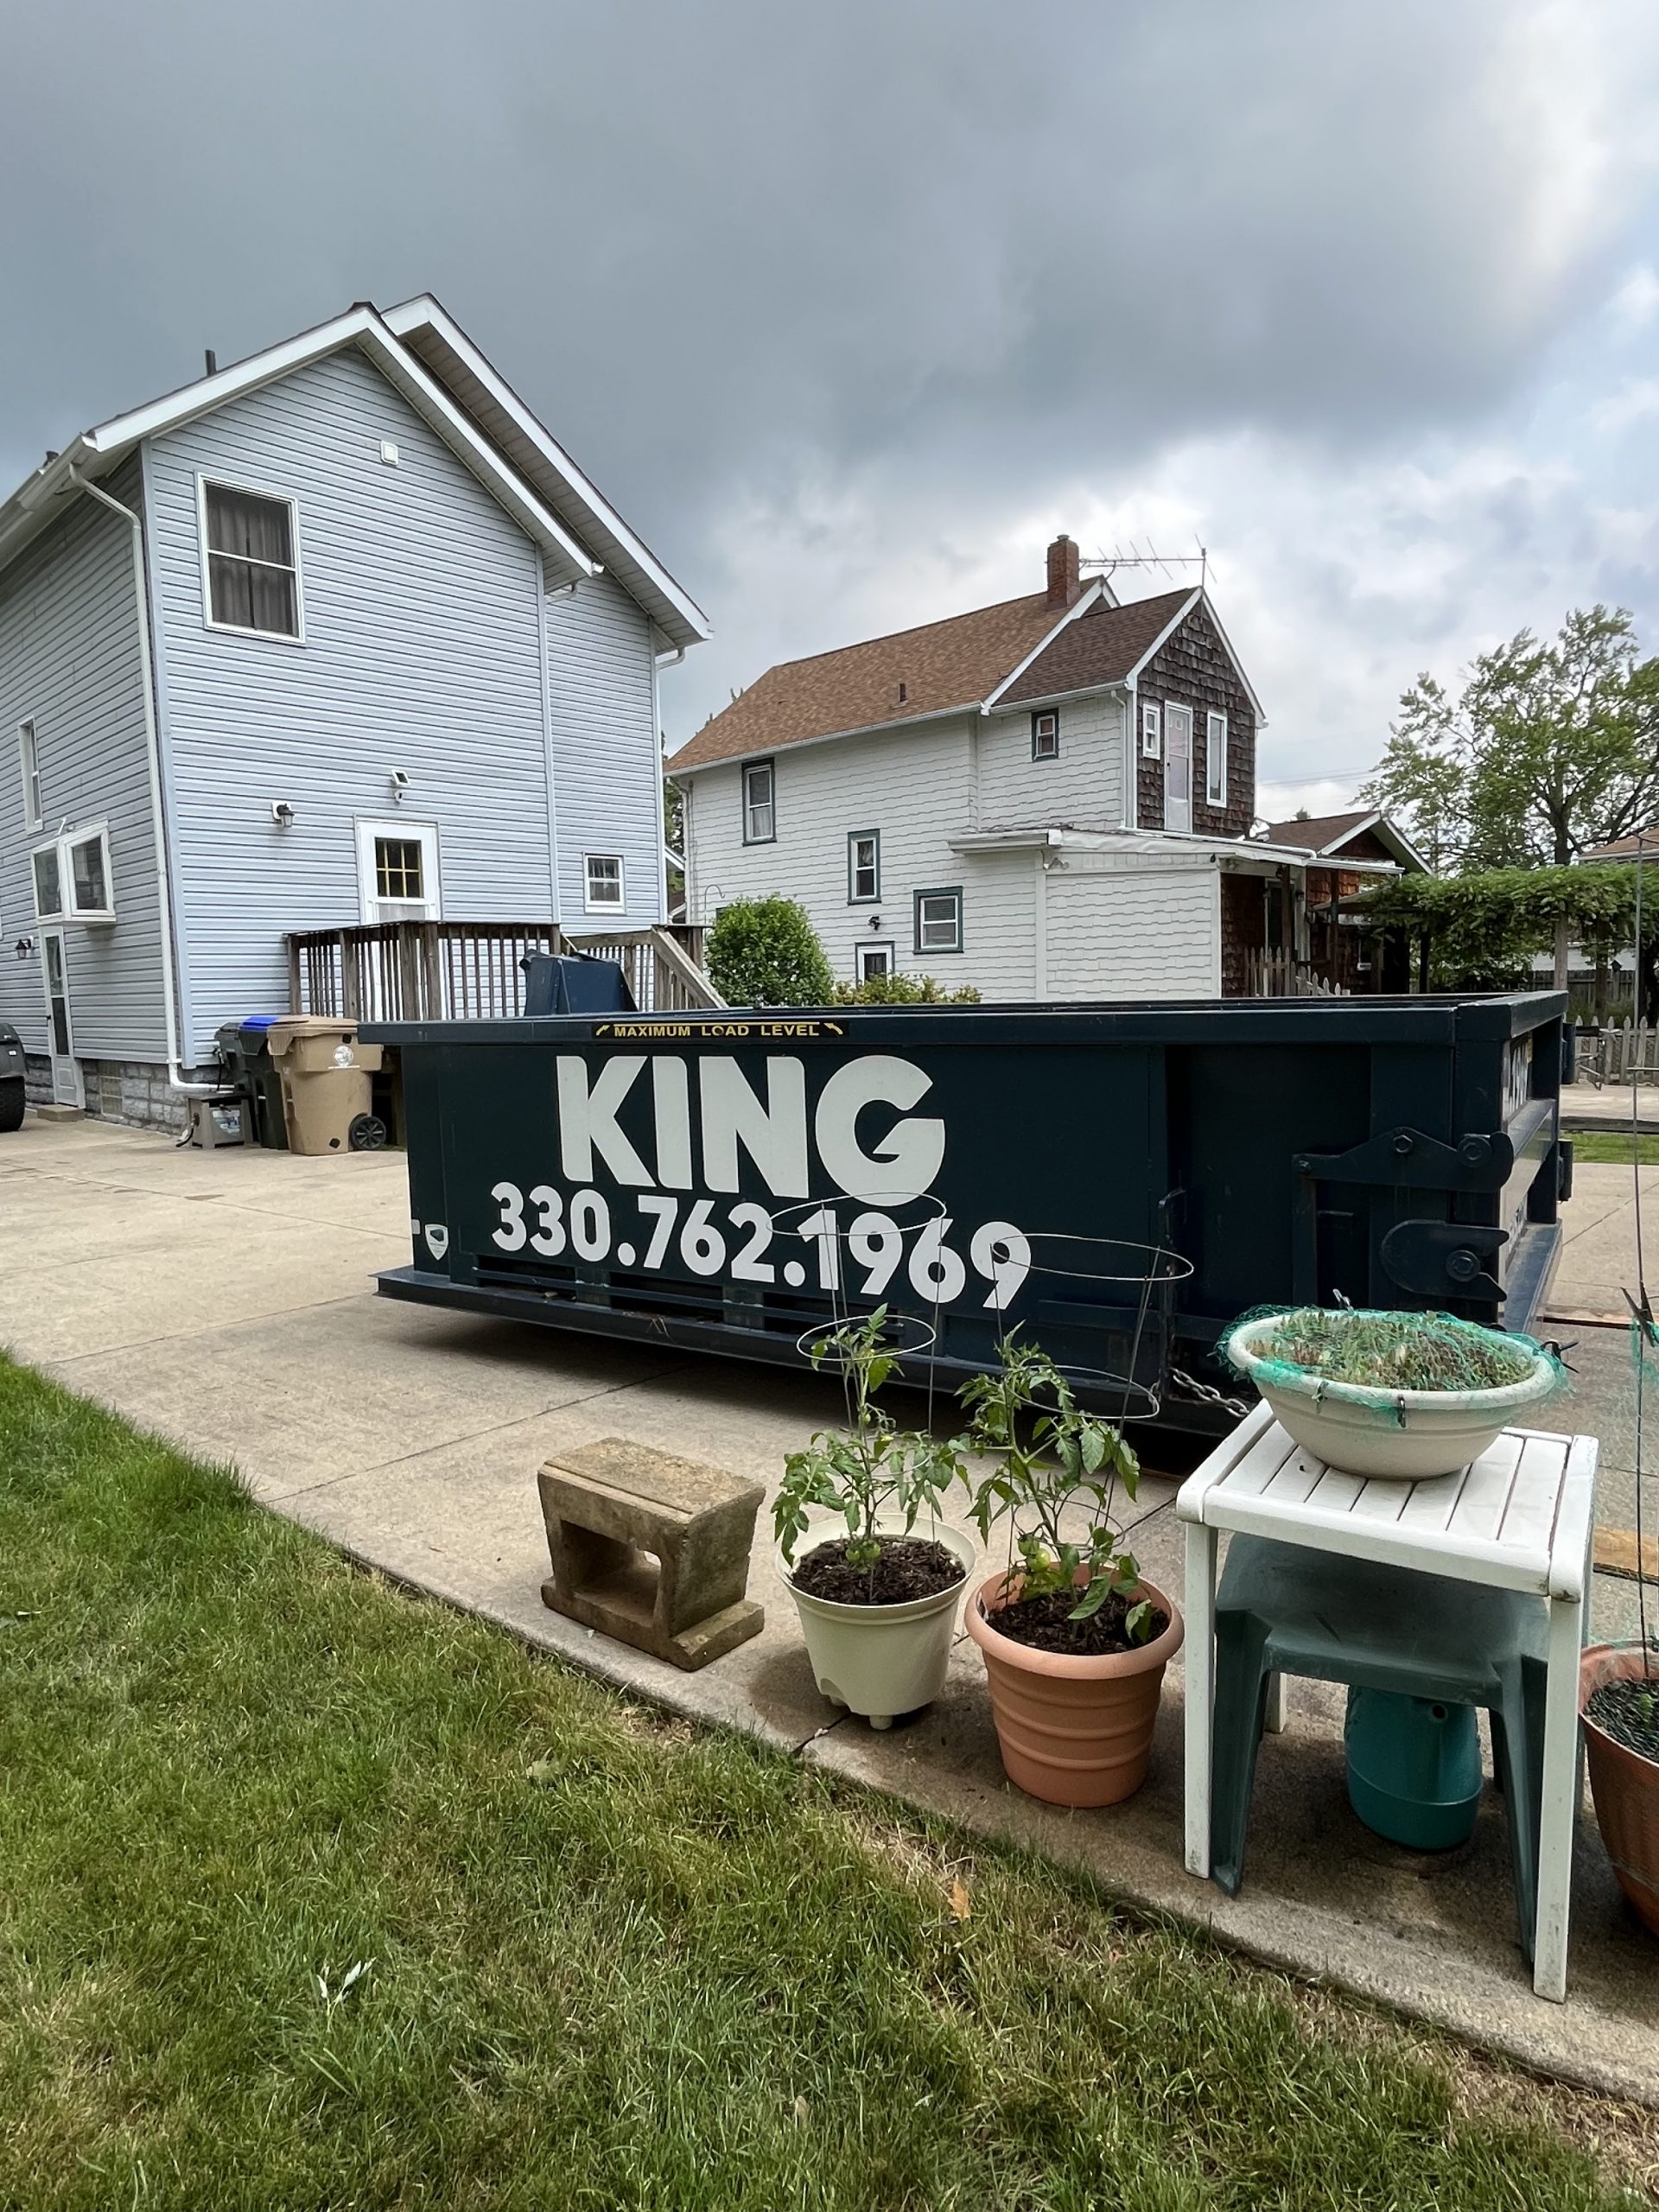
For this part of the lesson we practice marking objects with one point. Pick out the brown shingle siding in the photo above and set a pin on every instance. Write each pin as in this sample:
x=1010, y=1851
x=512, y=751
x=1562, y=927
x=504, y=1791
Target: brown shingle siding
x=1194, y=669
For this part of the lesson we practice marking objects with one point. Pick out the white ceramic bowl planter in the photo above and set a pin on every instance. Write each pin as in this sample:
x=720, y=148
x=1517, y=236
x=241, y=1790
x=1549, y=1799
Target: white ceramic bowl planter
x=1408, y=1435
x=881, y=1661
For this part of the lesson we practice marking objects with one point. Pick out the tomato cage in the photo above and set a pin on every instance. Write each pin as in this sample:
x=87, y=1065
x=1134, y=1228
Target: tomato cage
x=1116, y=1183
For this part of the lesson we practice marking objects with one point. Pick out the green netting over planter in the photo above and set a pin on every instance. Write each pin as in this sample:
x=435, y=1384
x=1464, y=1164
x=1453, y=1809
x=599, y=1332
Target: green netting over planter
x=1376, y=1356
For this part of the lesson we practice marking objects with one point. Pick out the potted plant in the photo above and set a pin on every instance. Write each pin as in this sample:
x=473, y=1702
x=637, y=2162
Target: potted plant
x=1075, y=1640
x=1406, y=1396
x=1618, y=1698
x=877, y=1599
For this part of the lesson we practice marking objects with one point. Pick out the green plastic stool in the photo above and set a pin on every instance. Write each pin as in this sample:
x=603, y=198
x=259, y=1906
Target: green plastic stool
x=1284, y=1609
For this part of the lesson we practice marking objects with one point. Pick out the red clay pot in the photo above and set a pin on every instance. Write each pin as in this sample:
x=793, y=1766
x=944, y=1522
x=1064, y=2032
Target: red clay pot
x=1073, y=1731
x=1626, y=1786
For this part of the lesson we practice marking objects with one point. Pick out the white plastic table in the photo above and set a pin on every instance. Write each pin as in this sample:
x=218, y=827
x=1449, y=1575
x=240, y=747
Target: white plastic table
x=1519, y=1517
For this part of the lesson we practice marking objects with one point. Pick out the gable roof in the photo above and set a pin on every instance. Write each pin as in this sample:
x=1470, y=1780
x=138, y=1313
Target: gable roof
x=1624, y=848
x=1325, y=835
x=531, y=502
x=955, y=664
x=1107, y=647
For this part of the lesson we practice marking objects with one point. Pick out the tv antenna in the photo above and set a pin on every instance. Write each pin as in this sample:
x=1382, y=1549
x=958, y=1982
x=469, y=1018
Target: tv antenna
x=1107, y=564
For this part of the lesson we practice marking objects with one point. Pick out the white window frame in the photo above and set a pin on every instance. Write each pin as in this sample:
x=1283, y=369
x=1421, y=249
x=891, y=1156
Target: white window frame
x=295, y=637
x=28, y=763
x=592, y=905
x=884, y=945
x=854, y=896
x=63, y=845
x=769, y=770
x=1215, y=754
x=368, y=828
x=951, y=891
x=1152, y=730
x=1051, y=750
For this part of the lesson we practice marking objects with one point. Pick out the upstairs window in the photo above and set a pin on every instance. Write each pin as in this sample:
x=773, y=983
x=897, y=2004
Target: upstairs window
x=938, y=921
x=399, y=868
x=760, y=811
x=254, y=578
x=864, y=867
x=1045, y=736
x=49, y=883
x=72, y=879
x=1152, y=731
x=602, y=882
x=29, y=749
x=1215, y=760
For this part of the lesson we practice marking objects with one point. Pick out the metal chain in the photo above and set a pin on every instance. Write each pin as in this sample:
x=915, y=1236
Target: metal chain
x=1236, y=1407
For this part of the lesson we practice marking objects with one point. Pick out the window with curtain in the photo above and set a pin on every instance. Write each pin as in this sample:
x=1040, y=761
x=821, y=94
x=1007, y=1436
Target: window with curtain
x=760, y=809
x=254, y=580
x=602, y=881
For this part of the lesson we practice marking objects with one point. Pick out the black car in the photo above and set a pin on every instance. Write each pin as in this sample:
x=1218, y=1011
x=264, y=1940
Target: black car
x=11, y=1078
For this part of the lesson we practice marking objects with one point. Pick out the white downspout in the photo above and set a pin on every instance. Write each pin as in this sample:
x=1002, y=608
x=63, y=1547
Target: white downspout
x=163, y=895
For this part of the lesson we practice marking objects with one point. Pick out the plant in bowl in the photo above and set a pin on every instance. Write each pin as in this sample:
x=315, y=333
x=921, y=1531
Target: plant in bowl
x=1075, y=1639
x=1406, y=1396
x=877, y=1599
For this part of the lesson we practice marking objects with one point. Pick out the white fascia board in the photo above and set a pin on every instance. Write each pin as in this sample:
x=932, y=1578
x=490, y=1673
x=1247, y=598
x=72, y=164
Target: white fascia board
x=1055, y=698
x=362, y=327
x=1004, y=840
x=1081, y=605
x=425, y=310
x=827, y=737
x=1164, y=636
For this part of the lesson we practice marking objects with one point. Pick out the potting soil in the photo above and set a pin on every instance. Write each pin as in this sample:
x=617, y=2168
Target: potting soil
x=1628, y=1710
x=1046, y=1624
x=909, y=1567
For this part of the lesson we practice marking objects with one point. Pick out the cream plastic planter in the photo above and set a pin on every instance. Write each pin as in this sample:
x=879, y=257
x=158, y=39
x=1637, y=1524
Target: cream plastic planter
x=1419, y=1434
x=880, y=1660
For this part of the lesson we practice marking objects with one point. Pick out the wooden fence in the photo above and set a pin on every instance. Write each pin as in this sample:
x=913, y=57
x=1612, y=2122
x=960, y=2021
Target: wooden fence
x=473, y=971
x=1625, y=1051
x=1280, y=975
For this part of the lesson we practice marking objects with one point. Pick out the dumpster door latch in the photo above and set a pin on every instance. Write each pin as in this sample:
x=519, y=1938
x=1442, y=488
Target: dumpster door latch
x=1438, y=1258
x=1405, y=1157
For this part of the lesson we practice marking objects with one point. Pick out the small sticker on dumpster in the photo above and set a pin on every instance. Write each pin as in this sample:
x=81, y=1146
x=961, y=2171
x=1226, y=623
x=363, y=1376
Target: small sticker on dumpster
x=437, y=1238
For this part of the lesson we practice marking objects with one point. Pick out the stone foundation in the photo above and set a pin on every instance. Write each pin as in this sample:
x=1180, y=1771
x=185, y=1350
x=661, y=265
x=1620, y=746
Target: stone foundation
x=136, y=1092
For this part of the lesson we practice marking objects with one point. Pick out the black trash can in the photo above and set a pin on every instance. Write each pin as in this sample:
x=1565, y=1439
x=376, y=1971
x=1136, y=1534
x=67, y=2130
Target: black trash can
x=11, y=1078
x=575, y=983
x=244, y=1048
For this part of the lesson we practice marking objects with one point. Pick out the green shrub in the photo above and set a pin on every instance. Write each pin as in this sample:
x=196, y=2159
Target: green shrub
x=766, y=952
x=902, y=990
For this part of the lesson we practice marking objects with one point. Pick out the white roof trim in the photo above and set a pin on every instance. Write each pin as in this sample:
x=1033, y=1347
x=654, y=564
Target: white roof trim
x=1087, y=599
x=426, y=312
x=97, y=451
x=824, y=737
x=1164, y=636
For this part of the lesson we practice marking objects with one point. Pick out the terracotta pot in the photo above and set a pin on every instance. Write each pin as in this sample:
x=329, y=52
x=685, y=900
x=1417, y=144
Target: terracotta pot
x=1626, y=1786
x=1073, y=1731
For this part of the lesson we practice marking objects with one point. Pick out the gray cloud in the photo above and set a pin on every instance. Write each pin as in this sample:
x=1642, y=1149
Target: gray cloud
x=883, y=270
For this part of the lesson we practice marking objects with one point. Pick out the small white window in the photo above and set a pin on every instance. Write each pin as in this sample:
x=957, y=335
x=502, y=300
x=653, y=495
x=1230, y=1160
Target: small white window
x=1045, y=736
x=863, y=867
x=602, y=890
x=29, y=748
x=938, y=921
x=1215, y=760
x=759, y=812
x=72, y=878
x=252, y=577
x=1152, y=732
x=873, y=959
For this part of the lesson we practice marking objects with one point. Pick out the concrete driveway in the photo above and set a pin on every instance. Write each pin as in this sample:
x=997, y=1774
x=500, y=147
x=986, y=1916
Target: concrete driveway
x=223, y=1299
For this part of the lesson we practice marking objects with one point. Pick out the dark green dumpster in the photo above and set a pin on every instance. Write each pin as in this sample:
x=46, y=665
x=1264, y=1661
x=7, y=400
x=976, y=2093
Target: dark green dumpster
x=1120, y=1181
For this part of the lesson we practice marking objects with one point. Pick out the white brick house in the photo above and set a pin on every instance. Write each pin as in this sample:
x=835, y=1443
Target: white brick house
x=1050, y=797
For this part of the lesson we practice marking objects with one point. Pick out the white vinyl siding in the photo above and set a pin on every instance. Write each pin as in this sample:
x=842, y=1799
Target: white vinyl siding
x=422, y=654
x=1081, y=784
x=1133, y=933
x=70, y=664
x=606, y=751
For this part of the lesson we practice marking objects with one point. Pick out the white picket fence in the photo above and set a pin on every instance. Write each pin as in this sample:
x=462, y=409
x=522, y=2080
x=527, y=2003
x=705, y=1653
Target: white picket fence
x=1625, y=1051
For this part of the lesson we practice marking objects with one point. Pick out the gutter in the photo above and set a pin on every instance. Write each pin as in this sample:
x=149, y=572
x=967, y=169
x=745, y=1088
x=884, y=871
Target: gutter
x=176, y=1077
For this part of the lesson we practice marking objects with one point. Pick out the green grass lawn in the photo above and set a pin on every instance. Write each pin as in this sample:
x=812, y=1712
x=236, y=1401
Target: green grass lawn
x=1612, y=1147
x=612, y=1962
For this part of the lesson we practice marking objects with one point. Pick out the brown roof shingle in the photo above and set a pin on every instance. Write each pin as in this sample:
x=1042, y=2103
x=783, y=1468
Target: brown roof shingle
x=1318, y=832
x=942, y=665
x=1099, y=647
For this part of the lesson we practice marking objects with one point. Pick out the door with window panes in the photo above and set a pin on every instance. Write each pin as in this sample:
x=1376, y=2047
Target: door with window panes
x=66, y=1087
x=397, y=870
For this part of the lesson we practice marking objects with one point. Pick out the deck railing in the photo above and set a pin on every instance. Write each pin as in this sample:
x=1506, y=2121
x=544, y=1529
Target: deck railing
x=472, y=971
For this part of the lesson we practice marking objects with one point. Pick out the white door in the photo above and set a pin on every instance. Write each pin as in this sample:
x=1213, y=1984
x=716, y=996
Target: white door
x=66, y=1087
x=1177, y=767
x=397, y=870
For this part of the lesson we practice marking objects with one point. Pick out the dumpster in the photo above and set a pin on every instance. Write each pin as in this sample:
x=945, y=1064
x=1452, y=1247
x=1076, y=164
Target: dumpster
x=11, y=1078
x=1120, y=1182
x=243, y=1051
x=327, y=1085
x=575, y=983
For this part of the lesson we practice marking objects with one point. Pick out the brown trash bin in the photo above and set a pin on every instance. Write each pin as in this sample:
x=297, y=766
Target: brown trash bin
x=326, y=1079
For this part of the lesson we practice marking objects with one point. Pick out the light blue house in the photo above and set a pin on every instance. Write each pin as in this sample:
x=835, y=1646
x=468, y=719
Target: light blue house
x=337, y=636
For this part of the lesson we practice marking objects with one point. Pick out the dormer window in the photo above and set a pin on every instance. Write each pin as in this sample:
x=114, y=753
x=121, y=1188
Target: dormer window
x=1045, y=735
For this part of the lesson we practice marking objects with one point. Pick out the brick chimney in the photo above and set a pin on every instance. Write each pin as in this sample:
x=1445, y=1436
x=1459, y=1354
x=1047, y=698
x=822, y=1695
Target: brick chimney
x=1064, y=579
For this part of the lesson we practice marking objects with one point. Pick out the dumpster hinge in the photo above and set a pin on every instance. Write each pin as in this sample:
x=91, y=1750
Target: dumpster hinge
x=1436, y=1259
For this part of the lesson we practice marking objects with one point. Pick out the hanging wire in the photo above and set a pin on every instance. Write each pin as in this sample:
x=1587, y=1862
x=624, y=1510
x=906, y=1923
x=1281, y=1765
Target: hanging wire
x=1645, y=1335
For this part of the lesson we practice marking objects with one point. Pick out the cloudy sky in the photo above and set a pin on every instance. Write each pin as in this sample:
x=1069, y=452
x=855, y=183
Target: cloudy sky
x=850, y=307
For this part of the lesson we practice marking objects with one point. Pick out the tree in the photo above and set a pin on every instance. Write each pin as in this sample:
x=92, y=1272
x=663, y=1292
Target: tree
x=1548, y=749
x=766, y=952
